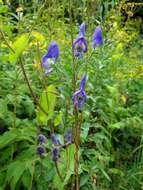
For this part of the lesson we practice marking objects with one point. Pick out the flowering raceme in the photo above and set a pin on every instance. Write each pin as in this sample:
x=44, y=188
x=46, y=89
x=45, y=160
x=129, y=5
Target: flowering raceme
x=68, y=137
x=79, y=97
x=50, y=57
x=55, y=154
x=54, y=140
x=55, y=149
x=97, y=38
x=80, y=44
x=41, y=149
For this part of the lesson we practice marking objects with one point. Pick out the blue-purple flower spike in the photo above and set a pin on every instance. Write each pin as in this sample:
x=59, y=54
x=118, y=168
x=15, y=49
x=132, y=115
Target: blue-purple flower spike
x=80, y=44
x=55, y=154
x=50, y=57
x=97, y=38
x=68, y=137
x=54, y=139
x=79, y=97
x=41, y=139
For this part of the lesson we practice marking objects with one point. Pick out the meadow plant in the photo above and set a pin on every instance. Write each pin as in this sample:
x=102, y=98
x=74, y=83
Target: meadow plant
x=79, y=48
x=50, y=57
x=83, y=127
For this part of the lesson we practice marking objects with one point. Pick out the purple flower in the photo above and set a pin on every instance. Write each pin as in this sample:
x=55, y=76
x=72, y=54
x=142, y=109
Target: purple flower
x=54, y=139
x=55, y=154
x=80, y=44
x=82, y=30
x=79, y=97
x=97, y=37
x=50, y=57
x=68, y=137
x=41, y=150
x=41, y=139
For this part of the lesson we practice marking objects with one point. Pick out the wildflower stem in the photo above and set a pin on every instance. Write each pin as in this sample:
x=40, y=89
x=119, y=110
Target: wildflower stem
x=76, y=125
x=58, y=171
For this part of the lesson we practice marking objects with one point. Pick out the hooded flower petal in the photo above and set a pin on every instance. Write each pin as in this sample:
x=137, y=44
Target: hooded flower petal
x=55, y=154
x=81, y=30
x=97, y=37
x=83, y=82
x=41, y=139
x=80, y=44
x=54, y=139
x=50, y=57
x=41, y=150
x=79, y=97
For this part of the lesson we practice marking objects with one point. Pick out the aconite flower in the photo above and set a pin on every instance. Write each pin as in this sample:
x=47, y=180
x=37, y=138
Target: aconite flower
x=97, y=38
x=55, y=154
x=79, y=97
x=80, y=44
x=41, y=150
x=41, y=139
x=54, y=140
x=50, y=57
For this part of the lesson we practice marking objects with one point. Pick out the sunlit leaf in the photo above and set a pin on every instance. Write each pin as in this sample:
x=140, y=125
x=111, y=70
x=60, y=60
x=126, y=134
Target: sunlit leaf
x=47, y=102
x=18, y=46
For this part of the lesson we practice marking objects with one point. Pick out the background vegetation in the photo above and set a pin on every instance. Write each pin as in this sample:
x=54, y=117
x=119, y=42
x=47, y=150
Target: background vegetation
x=111, y=148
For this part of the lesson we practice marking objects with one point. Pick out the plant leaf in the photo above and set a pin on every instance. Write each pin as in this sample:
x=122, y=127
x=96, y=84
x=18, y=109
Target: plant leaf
x=47, y=102
x=18, y=46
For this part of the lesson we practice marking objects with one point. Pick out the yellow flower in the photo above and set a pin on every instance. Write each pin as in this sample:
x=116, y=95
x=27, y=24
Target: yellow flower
x=37, y=66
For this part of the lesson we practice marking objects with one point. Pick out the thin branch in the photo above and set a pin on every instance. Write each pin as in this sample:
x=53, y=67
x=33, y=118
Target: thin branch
x=58, y=171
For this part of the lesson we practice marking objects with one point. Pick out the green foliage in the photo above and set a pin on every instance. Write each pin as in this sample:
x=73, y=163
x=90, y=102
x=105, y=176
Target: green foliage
x=47, y=102
x=18, y=47
x=111, y=139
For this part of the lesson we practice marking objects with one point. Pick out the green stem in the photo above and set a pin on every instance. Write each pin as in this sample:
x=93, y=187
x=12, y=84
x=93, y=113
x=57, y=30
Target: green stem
x=76, y=124
x=58, y=171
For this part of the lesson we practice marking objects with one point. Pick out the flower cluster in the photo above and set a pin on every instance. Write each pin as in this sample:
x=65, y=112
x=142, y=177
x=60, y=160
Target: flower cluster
x=41, y=149
x=79, y=48
x=56, y=145
x=80, y=44
x=55, y=148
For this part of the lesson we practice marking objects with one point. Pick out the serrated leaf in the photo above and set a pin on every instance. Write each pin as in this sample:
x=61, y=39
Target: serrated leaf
x=18, y=46
x=47, y=102
x=7, y=138
x=15, y=171
x=26, y=179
